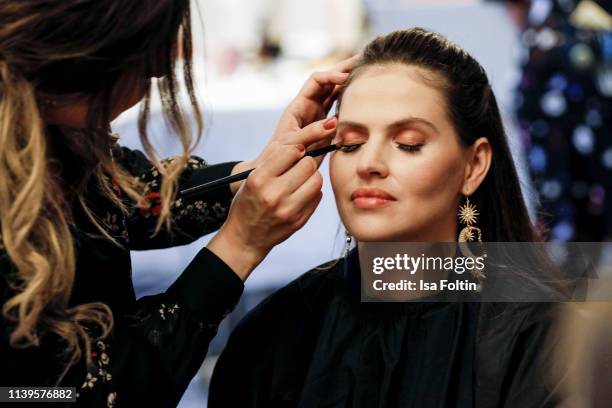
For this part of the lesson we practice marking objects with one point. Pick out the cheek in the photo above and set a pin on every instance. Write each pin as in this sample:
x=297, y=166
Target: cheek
x=434, y=177
x=339, y=171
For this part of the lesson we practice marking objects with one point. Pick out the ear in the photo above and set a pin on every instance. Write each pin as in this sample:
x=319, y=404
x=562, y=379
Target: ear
x=479, y=158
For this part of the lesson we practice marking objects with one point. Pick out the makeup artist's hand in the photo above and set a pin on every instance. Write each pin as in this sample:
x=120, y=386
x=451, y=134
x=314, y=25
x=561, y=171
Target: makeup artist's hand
x=313, y=102
x=276, y=200
x=315, y=99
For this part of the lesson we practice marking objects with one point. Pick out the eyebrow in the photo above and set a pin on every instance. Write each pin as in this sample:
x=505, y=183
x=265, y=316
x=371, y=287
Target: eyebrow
x=393, y=126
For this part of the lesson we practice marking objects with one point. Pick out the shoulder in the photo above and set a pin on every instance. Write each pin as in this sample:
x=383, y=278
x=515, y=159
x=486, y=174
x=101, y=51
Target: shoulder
x=299, y=295
x=277, y=332
x=293, y=303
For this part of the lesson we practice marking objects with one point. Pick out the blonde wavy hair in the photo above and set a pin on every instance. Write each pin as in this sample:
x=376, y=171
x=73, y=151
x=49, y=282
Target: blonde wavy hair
x=56, y=48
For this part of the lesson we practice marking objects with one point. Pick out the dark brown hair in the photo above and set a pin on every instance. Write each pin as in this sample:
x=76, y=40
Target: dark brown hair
x=473, y=110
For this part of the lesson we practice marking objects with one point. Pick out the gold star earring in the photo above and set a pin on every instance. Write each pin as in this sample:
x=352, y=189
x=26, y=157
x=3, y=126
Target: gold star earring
x=468, y=215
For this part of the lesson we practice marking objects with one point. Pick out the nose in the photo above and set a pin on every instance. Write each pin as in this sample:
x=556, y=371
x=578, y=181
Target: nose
x=371, y=161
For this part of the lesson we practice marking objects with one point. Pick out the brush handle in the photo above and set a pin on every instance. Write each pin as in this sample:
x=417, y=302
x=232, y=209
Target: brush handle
x=191, y=191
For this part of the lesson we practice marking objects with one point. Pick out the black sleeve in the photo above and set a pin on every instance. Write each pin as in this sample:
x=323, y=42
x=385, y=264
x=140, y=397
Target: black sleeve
x=191, y=218
x=155, y=352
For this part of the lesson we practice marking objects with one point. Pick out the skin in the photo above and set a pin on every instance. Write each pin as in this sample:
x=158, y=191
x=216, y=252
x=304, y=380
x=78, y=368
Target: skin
x=408, y=147
x=282, y=192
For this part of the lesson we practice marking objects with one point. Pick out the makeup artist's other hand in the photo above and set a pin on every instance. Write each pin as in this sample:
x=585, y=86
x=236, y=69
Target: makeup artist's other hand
x=276, y=200
x=313, y=102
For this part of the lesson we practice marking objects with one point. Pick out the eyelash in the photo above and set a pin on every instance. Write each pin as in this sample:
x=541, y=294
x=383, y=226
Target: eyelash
x=405, y=147
x=350, y=148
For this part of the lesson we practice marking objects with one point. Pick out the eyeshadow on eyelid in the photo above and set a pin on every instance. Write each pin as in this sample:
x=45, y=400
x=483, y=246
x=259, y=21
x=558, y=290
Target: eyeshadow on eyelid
x=409, y=141
x=411, y=134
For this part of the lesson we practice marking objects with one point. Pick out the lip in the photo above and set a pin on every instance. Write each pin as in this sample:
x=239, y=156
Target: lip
x=371, y=198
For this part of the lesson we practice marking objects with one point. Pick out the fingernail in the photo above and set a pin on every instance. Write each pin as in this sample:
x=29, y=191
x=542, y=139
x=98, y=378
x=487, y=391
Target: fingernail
x=300, y=147
x=330, y=123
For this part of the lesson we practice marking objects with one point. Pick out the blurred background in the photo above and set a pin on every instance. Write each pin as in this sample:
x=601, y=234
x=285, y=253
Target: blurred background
x=549, y=62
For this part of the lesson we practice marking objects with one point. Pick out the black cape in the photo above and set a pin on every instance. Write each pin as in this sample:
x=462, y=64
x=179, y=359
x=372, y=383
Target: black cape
x=314, y=344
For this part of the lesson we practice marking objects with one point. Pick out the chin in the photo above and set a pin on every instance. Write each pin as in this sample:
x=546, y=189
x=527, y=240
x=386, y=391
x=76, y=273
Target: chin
x=374, y=238
x=368, y=231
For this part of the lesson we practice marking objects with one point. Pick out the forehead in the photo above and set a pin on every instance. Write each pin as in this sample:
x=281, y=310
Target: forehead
x=385, y=94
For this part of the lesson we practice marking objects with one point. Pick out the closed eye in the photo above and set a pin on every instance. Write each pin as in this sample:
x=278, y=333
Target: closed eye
x=350, y=148
x=410, y=147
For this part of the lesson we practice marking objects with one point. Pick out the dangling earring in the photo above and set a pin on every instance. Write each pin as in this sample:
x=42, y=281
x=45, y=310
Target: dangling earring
x=348, y=240
x=468, y=215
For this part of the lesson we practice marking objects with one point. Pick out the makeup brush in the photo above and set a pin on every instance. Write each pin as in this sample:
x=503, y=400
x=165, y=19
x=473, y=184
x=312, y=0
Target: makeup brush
x=191, y=191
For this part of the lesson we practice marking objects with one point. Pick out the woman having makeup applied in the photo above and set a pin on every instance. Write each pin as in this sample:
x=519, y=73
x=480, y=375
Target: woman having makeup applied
x=422, y=142
x=73, y=202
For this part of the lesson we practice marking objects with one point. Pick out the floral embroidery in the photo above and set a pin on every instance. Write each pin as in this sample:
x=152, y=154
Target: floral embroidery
x=90, y=381
x=110, y=400
x=116, y=225
x=151, y=204
x=200, y=211
x=196, y=163
x=167, y=309
x=101, y=359
x=219, y=210
x=102, y=373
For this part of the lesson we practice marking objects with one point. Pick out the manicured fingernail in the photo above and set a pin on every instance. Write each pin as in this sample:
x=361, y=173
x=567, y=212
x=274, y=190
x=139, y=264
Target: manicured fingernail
x=330, y=123
x=300, y=147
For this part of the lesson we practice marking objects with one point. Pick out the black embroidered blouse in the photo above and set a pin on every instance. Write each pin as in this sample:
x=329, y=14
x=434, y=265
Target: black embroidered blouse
x=158, y=342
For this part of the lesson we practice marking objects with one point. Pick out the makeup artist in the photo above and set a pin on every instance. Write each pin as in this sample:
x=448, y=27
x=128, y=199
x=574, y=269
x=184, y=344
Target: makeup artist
x=73, y=203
